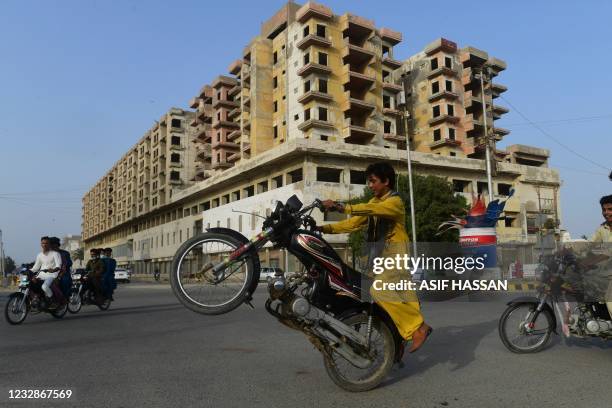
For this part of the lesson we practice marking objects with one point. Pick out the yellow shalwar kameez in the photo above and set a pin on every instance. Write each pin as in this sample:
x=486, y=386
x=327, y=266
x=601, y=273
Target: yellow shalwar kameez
x=403, y=307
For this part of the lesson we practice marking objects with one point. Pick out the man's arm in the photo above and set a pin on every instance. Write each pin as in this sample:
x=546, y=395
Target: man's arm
x=349, y=225
x=37, y=264
x=393, y=207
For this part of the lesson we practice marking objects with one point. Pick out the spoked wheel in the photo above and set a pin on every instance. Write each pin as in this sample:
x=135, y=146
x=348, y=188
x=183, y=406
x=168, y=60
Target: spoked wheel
x=382, y=349
x=521, y=336
x=60, y=311
x=199, y=287
x=74, y=302
x=15, y=310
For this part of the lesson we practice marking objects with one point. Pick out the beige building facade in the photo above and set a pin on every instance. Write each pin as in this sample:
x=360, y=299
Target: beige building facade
x=313, y=99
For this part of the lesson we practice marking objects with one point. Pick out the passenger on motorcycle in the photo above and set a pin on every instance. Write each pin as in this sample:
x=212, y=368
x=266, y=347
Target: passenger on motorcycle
x=384, y=217
x=48, y=264
x=108, y=280
x=64, y=276
x=95, y=267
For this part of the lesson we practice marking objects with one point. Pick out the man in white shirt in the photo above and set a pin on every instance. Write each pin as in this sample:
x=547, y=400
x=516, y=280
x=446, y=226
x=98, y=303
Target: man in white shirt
x=48, y=264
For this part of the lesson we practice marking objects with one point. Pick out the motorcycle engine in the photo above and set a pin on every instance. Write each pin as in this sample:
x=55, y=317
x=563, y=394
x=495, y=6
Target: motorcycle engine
x=598, y=326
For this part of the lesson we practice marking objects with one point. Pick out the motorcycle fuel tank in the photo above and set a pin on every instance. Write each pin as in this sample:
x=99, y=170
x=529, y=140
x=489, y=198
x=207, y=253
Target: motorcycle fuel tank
x=311, y=246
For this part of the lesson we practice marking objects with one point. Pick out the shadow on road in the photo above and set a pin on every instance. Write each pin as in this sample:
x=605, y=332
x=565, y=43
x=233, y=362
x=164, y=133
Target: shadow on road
x=453, y=344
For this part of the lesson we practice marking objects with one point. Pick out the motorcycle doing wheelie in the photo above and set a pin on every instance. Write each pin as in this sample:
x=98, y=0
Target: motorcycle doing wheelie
x=217, y=271
x=30, y=298
x=83, y=293
x=528, y=323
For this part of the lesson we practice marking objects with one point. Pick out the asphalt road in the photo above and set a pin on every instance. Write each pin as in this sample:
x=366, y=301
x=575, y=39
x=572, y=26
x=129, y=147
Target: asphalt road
x=148, y=350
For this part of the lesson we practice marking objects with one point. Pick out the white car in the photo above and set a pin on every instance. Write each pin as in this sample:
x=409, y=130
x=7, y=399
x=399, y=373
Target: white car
x=122, y=275
x=269, y=272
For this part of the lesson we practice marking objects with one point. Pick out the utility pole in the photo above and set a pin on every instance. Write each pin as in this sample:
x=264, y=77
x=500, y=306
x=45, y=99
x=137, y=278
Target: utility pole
x=481, y=74
x=406, y=116
x=1, y=257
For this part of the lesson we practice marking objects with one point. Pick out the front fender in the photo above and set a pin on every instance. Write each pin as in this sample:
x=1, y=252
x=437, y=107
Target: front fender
x=534, y=300
x=254, y=255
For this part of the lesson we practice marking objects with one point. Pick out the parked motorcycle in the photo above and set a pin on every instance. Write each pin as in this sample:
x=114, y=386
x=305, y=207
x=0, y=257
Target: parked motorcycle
x=217, y=271
x=526, y=326
x=30, y=298
x=82, y=293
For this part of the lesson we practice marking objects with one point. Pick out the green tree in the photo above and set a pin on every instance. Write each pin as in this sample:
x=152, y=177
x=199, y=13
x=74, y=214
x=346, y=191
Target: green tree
x=9, y=265
x=77, y=254
x=435, y=202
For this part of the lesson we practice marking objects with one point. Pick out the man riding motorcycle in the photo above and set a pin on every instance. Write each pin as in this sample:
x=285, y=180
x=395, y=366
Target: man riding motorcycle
x=108, y=280
x=95, y=267
x=48, y=264
x=384, y=216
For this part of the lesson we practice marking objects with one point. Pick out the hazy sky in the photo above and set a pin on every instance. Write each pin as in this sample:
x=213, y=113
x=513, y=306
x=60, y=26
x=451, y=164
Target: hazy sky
x=81, y=81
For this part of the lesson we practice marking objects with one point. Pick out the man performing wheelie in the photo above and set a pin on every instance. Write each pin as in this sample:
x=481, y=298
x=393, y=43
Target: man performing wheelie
x=384, y=218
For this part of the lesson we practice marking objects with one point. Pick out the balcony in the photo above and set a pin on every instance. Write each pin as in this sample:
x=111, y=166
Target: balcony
x=175, y=182
x=194, y=102
x=315, y=123
x=206, y=93
x=500, y=110
x=442, y=119
x=445, y=142
x=391, y=112
x=391, y=87
x=446, y=71
x=233, y=113
x=315, y=95
x=313, y=39
x=246, y=100
x=358, y=29
x=234, y=135
x=203, y=152
x=356, y=81
x=313, y=10
x=225, y=145
x=441, y=44
x=234, y=157
x=473, y=57
x=356, y=55
x=222, y=165
x=246, y=147
x=203, y=134
x=235, y=67
x=357, y=106
x=497, y=90
x=357, y=134
x=391, y=63
x=312, y=67
x=225, y=123
x=235, y=90
x=225, y=103
x=390, y=36
x=392, y=137
x=500, y=132
x=443, y=95
x=224, y=81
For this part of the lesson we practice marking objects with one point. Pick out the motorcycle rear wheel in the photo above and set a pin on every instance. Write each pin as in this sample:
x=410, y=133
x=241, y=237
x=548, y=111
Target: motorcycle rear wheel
x=12, y=315
x=359, y=380
x=512, y=332
x=192, y=279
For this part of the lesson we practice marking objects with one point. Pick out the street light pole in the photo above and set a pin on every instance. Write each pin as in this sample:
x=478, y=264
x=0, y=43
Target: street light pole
x=406, y=115
x=1, y=256
x=486, y=136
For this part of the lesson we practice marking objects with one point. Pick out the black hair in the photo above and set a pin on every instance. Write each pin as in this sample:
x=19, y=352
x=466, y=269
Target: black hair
x=44, y=238
x=605, y=200
x=54, y=240
x=384, y=171
x=108, y=250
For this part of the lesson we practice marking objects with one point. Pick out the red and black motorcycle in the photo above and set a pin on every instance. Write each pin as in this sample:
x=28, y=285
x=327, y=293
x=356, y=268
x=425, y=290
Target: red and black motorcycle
x=217, y=271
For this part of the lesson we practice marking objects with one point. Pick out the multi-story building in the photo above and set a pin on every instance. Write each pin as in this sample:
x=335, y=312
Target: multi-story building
x=313, y=99
x=444, y=95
